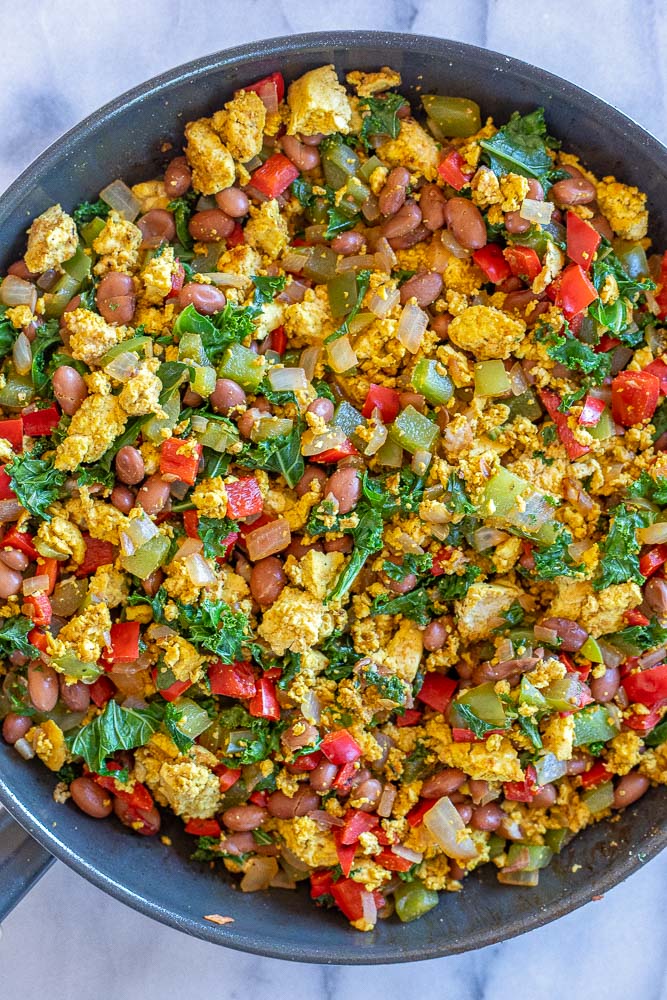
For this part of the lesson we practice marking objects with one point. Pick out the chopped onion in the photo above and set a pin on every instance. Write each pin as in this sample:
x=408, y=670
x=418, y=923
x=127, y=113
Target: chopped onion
x=444, y=824
x=538, y=212
x=518, y=381
x=188, y=547
x=139, y=530
x=342, y=356
x=383, y=300
x=311, y=708
x=10, y=510
x=369, y=907
x=611, y=656
x=293, y=292
x=268, y=539
x=358, y=262
x=385, y=258
x=123, y=366
x=225, y=279
x=199, y=423
x=404, y=852
x=267, y=92
x=309, y=359
x=32, y=584
x=24, y=749
x=436, y=513
x=371, y=208
x=22, y=354
x=47, y=280
x=450, y=243
x=505, y=650
x=387, y=799
x=647, y=660
x=287, y=379
x=15, y=291
x=406, y=543
x=412, y=326
x=377, y=438
x=577, y=549
x=199, y=570
x=259, y=873
x=420, y=462
x=654, y=534
x=326, y=819
x=282, y=881
x=118, y=196
x=315, y=444
x=488, y=538
x=548, y=635
x=296, y=259
x=392, y=454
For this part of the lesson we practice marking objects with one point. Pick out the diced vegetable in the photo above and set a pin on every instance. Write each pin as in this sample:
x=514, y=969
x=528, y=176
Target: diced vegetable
x=340, y=747
x=576, y=291
x=582, y=241
x=454, y=170
x=243, y=366
x=593, y=725
x=413, y=900
x=491, y=379
x=413, y=431
x=381, y=398
x=634, y=397
x=444, y=823
x=648, y=687
x=274, y=176
x=432, y=382
x=512, y=502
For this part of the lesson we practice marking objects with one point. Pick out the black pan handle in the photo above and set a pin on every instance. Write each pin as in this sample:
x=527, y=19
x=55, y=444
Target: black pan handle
x=22, y=863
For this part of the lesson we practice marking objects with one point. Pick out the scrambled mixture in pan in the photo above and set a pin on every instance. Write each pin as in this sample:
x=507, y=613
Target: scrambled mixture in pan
x=333, y=488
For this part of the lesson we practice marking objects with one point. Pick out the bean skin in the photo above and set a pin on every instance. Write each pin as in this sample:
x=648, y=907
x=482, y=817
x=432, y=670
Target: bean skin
x=424, y=287
x=227, y=396
x=488, y=817
x=604, y=688
x=432, y=203
x=75, y=696
x=544, y=797
x=233, y=201
x=210, y=225
x=630, y=788
x=312, y=472
x=131, y=816
x=573, y=191
x=464, y=809
x=207, y=299
x=153, y=582
x=434, y=636
x=392, y=195
x=410, y=239
x=572, y=636
x=443, y=783
x=440, y=324
x=241, y=818
x=122, y=498
x=343, y=544
x=302, y=156
x=323, y=776
x=14, y=727
x=69, y=389
x=115, y=298
x=302, y=802
x=370, y=791
x=130, y=467
x=154, y=495
x=43, y=686
x=465, y=222
x=515, y=224
x=405, y=221
x=239, y=843
x=90, y=798
x=177, y=177
x=345, y=486
x=267, y=580
x=300, y=734
x=404, y=586
x=655, y=595
x=347, y=243
x=322, y=408
x=15, y=559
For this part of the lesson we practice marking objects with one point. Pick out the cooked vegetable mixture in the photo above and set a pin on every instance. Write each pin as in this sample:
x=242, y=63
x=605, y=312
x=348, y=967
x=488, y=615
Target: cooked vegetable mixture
x=333, y=483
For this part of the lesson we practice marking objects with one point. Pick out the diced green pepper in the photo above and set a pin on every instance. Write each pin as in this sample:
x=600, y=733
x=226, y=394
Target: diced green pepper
x=191, y=348
x=600, y=797
x=390, y=454
x=485, y=703
x=633, y=258
x=413, y=900
x=530, y=856
x=78, y=266
x=347, y=418
x=17, y=391
x=92, y=230
x=356, y=193
x=339, y=162
x=605, y=427
x=136, y=344
x=524, y=877
x=557, y=839
x=592, y=651
x=530, y=695
x=496, y=846
x=203, y=381
x=320, y=266
x=593, y=725
x=491, y=379
x=434, y=384
x=154, y=427
x=524, y=405
x=413, y=431
x=70, y=665
x=62, y=292
x=549, y=768
x=218, y=436
x=343, y=293
x=513, y=503
x=564, y=694
x=271, y=427
x=243, y=366
x=194, y=719
x=457, y=117
x=148, y=557
x=367, y=168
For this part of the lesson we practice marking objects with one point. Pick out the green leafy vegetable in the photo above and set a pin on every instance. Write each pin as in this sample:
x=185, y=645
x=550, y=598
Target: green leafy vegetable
x=405, y=500
x=45, y=340
x=382, y=116
x=567, y=350
x=89, y=210
x=614, y=315
x=522, y=147
x=651, y=489
x=280, y=454
x=555, y=560
x=172, y=716
x=213, y=532
x=7, y=332
x=263, y=737
x=303, y=192
x=367, y=541
x=341, y=654
x=182, y=209
x=36, y=482
x=619, y=552
x=411, y=563
x=114, y=729
x=416, y=605
x=458, y=501
x=478, y=726
x=213, y=625
x=388, y=686
x=643, y=637
x=14, y=637
x=453, y=586
x=338, y=222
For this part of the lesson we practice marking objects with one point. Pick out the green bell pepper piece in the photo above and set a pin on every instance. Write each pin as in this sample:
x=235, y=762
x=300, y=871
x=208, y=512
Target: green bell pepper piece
x=17, y=391
x=485, y=703
x=633, y=258
x=148, y=557
x=92, y=230
x=535, y=856
x=530, y=695
x=564, y=694
x=593, y=725
x=600, y=797
x=557, y=839
x=343, y=293
x=457, y=117
x=413, y=431
x=79, y=266
x=62, y=292
x=524, y=877
x=367, y=168
x=491, y=379
x=72, y=666
x=218, y=436
x=194, y=719
x=134, y=344
x=339, y=163
x=243, y=366
x=534, y=516
x=605, y=427
x=592, y=651
x=413, y=900
x=191, y=348
x=435, y=385
x=525, y=405
x=347, y=418
x=320, y=265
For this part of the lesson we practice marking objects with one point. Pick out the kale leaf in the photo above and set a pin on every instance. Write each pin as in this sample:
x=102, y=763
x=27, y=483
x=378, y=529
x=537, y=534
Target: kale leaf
x=567, y=350
x=281, y=454
x=555, y=560
x=182, y=209
x=262, y=738
x=619, y=552
x=614, y=315
x=382, y=116
x=522, y=147
x=213, y=625
x=341, y=654
x=416, y=605
x=36, y=482
x=642, y=637
x=86, y=211
x=7, y=332
x=46, y=338
x=651, y=489
x=368, y=539
x=172, y=717
x=114, y=729
x=214, y=532
x=14, y=637
x=410, y=563
x=388, y=686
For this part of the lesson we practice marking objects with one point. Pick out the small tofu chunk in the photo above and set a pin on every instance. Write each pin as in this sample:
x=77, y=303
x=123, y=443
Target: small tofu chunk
x=367, y=84
x=212, y=164
x=117, y=245
x=486, y=332
x=241, y=125
x=318, y=103
x=413, y=148
x=266, y=230
x=52, y=239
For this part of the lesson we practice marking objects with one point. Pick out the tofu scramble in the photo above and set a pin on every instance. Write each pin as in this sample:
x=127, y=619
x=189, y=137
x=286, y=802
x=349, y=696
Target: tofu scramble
x=333, y=477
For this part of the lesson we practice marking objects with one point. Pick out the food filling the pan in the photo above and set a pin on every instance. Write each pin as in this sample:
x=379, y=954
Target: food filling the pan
x=332, y=487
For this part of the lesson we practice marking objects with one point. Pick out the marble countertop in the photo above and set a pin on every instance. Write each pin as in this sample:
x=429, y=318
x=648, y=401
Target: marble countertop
x=61, y=61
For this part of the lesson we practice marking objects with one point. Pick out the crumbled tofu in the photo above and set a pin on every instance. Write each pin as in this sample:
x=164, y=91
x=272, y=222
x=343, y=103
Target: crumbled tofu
x=624, y=207
x=211, y=162
x=316, y=572
x=309, y=321
x=189, y=788
x=367, y=84
x=178, y=584
x=413, y=148
x=86, y=634
x=181, y=657
x=108, y=585
x=241, y=125
x=513, y=188
x=117, y=245
x=156, y=277
x=600, y=612
x=151, y=194
x=20, y=316
x=210, y=498
x=480, y=610
x=94, y=427
x=48, y=742
x=486, y=332
x=296, y=622
x=485, y=188
x=141, y=393
x=266, y=230
x=243, y=261
x=52, y=239
x=63, y=537
x=493, y=760
x=558, y=736
x=318, y=103
x=101, y=520
x=90, y=336
x=404, y=651
x=306, y=838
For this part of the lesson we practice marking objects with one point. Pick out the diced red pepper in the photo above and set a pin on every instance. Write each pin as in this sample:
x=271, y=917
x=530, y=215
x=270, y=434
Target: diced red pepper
x=102, y=690
x=39, y=609
x=38, y=639
x=582, y=241
x=523, y=262
x=452, y=170
x=229, y=541
x=393, y=862
x=356, y=823
x=635, y=617
x=596, y=775
x=39, y=423
x=191, y=523
x=659, y=369
x=582, y=670
x=181, y=459
x=138, y=798
x=12, y=431
x=522, y=791
x=410, y=717
x=6, y=491
x=48, y=568
x=417, y=813
x=576, y=291
x=98, y=553
x=236, y=238
x=440, y=559
x=652, y=560
x=273, y=84
x=244, y=497
x=591, y=411
x=648, y=687
x=437, y=691
x=306, y=762
x=348, y=896
x=264, y=704
x=124, y=642
x=345, y=777
x=634, y=397
x=661, y=293
x=573, y=447
x=274, y=673
x=340, y=747
x=277, y=340
x=491, y=260
x=386, y=400
x=345, y=853
x=332, y=455
x=203, y=827
x=320, y=883
x=259, y=799
x=467, y=735
x=177, y=281
x=227, y=776
x=607, y=343
x=233, y=680
x=174, y=690
x=274, y=176
x=643, y=723
x=21, y=540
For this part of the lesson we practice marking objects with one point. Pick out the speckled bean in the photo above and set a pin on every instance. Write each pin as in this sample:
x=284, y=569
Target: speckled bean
x=630, y=788
x=345, y=486
x=122, y=498
x=434, y=636
x=76, y=696
x=130, y=816
x=15, y=559
x=465, y=222
x=303, y=157
x=300, y=734
x=153, y=495
x=443, y=783
x=207, y=299
x=403, y=222
x=115, y=298
x=233, y=201
x=604, y=688
x=392, y=195
x=91, y=799
x=177, y=177
x=488, y=817
x=312, y=472
x=130, y=467
x=323, y=776
x=226, y=396
x=247, y=817
x=69, y=389
x=210, y=225
x=267, y=580
x=302, y=802
x=573, y=191
x=424, y=287
x=370, y=791
x=43, y=686
x=322, y=408
x=14, y=727
x=347, y=243
x=432, y=203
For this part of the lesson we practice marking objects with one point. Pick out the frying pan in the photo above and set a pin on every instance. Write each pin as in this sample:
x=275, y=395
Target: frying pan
x=124, y=139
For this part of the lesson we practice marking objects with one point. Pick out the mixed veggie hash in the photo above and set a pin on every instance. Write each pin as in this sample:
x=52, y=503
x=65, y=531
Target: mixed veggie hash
x=333, y=485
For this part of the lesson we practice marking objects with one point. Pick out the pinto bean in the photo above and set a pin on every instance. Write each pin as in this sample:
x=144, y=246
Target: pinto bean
x=69, y=389
x=440, y=324
x=403, y=222
x=177, y=177
x=443, y=782
x=75, y=696
x=157, y=226
x=487, y=671
x=572, y=636
x=233, y=201
x=392, y=195
x=432, y=203
x=131, y=816
x=210, y=225
x=410, y=239
x=300, y=734
x=576, y=765
x=370, y=791
x=302, y=802
x=343, y=544
x=601, y=224
x=20, y=269
x=573, y=191
x=207, y=299
x=465, y=222
x=226, y=396
x=153, y=582
x=239, y=843
x=404, y=586
x=414, y=399
x=604, y=688
x=323, y=776
x=488, y=817
x=122, y=499
x=434, y=635
x=322, y=408
x=267, y=580
x=544, y=797
x=43, y=686
x=347, y=243
x=247, y=817
x=91, y=799
x=153, y=495
x=130, y=467
x=630, y=788
x=515, y=224
x=15, y=559
x=464, y=809
x=14, y=727
x=655, y=595
x=312, y=472
x=345, y=486
x=303, y=157
x=115, y=298
x=424, y=287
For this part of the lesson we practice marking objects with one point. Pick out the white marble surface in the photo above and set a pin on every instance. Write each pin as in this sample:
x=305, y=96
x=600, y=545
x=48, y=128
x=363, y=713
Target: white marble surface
x=59, y=62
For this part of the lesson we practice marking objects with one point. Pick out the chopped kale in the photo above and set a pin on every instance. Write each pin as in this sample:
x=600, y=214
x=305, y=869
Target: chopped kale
x=619, y=552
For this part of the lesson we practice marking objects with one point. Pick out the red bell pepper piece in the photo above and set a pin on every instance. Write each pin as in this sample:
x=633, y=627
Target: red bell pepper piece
x=274, y=176
x=21, y=540
x=491, y=260
x=661, y=293
x=49, y=568
x=452, y=171
x=582, y=240
x=576, y=291
x=177, y=281
x=39, y=608
x=264, y=704
x=6, y=491
x=12, y=431
x=596, y=775
x=38, y=639
x=124, y=642
x=332, y=455
x=440, y=559
x=467, y=735
x=417, y=813
x=227, y=776
x=635, y=617
x=39, y=423
x=652, y=560
x=522, y=791
x=277, y=340
x=273, y=86
x=648, y=687
x=659, y=369
x=138, y=798
x=340, y=747
x=203, y=827
x=306, y=762
x=523, y=262
x=634, y=397
x=233, y=680
x=181, y=459
x=191, y=523
x=356, y=823
x=244, y=498
x=348, y=896
x=345, y=777
x=643, y=723
x=393, y=862
x=236, y=238
x=98, y=553
x=591, y=411
x=174, y=690
x=437, y=691
x=384, y=399
x=410, y=717
x=345, y=852
x=574, y=448
x=102, y=690
x=259, y=799
x=607, y=343
x=320, y=883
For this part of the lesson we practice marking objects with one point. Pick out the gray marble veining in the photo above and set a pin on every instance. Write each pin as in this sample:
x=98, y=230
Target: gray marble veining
x=61, y=61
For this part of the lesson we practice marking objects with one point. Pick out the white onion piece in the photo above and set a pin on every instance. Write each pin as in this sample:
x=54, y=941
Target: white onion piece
x=487, y=538
x=385, y=258
x=268, y=95
x=309, y=359
x=123, y=366
x=311, y=709
x=199, y=570
x=650, y=659
x=268, y=539
x=387, y=799
x=411, y=327
x=518, y=381
x=118, y=196
x=392, y=455
x=436, y=513
x=24, y=749
x=406, y=543
x=33, y=584
x=369, y=907
x=420, y=462
x=538, y=212
x=259, y=873
x=325, y=819
x=342, y=356
x=296, y=259
x=188, y=547
x=293, y=861
x=545, y=634
x=654, y=534
x=450, y=243
x=287, y=379
x=404, y=852
x=315, y=444
x=293, y=292
x=139, y=530
x=358, y=262
x=446, y=826
x=15, y=291
x=22, y=354
x=282, y=881
x=377, y=438
x=224, y=279
x=504, y=650
x=383, y=300
x=199, y=423
x=577, y=549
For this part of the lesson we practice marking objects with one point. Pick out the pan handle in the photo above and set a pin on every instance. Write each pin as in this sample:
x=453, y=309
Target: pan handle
x=22, y=863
